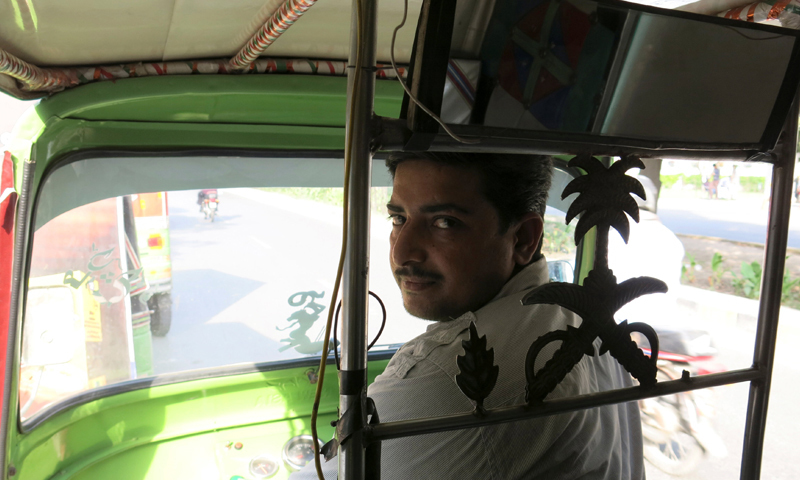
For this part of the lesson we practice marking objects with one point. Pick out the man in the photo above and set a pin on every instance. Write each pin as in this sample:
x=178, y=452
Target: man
x=465, y=248
x=713, y=191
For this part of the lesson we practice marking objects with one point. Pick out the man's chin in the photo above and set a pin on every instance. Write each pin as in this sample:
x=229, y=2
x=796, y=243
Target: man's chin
x=429, y=313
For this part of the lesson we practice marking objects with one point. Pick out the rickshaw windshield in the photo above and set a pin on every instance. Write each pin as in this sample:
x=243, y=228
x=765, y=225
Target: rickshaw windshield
x=141, y=268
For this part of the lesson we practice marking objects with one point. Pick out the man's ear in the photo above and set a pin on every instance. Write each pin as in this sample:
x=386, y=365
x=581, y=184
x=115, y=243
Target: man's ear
x=527, y=236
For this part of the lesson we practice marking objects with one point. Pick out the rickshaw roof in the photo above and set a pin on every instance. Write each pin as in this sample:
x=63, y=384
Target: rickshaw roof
x=50, y=33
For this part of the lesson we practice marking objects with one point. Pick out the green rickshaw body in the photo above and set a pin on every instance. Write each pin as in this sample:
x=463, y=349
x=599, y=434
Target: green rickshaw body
x=209, y=422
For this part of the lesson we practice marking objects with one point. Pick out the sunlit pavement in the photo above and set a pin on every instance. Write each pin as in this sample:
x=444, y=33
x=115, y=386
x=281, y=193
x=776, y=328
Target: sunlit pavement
x=744, y=219
x=732, y=322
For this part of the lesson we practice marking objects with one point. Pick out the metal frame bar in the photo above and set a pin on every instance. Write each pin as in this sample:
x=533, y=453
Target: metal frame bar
x=358, y=140
x=771, y=284
x=406, y=428
x=395, y=134
x=17, y=286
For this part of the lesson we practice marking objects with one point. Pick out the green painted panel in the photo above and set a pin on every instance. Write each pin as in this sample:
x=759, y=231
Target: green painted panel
x=180, y=430
x=147, y=433
x=252, y=99
x=167, y=113
x=69, y=136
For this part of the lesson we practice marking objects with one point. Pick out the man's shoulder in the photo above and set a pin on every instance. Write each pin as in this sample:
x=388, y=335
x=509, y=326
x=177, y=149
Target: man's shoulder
x=431, y=348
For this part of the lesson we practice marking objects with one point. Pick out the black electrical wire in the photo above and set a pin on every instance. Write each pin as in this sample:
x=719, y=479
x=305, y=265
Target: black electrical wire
x=336, y=325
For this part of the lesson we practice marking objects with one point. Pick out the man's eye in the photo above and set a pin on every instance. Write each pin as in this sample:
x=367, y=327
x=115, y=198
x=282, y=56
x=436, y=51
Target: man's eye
x=397, y=219
x=444, y=222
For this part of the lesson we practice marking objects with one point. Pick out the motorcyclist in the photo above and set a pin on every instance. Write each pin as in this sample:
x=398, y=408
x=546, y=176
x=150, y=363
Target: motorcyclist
x=204, y=194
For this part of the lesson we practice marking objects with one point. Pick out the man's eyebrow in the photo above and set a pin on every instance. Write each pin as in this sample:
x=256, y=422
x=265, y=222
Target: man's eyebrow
x=445, y=207
x=439, y=207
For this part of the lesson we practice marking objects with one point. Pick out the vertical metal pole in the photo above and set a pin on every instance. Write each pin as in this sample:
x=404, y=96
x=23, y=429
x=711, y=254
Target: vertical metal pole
x=360, y=96
x=8, y=419
x=771, y=285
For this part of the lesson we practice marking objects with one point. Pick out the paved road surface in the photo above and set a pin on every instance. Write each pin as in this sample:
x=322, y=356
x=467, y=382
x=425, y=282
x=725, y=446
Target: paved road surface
x=741, y=220
x=232, y=279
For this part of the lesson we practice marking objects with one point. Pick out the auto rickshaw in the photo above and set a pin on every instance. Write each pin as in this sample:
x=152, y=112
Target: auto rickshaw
x=290, y=108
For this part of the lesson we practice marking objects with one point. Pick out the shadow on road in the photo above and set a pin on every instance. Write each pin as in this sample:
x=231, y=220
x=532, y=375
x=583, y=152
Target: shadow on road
x=200, y=295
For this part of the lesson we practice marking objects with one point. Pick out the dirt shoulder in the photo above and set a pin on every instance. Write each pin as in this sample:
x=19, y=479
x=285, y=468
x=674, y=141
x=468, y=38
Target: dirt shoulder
x=729, y=270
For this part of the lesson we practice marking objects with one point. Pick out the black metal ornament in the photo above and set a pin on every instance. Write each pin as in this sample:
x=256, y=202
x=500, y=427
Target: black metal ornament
x=604, y=198
x=478, y=373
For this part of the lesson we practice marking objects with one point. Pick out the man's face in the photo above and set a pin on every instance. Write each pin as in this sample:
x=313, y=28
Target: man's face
x=446, y=253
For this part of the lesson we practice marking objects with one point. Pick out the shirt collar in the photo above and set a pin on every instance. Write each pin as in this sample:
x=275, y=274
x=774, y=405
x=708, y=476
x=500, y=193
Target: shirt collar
x=530, y=276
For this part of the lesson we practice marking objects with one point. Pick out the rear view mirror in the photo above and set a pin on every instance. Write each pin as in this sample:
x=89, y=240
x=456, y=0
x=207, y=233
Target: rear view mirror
x=609, y=74
x=560, y=271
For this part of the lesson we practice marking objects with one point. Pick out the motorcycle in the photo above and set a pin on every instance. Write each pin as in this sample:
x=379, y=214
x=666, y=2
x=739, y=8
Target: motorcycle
x=677, y=429
x=210, y=206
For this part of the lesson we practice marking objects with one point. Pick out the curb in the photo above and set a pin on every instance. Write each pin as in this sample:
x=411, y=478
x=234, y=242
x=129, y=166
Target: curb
x=730, y=311
x=734, y=242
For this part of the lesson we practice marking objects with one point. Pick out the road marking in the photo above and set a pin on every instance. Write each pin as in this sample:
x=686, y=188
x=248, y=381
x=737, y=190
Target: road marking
x=260, y=242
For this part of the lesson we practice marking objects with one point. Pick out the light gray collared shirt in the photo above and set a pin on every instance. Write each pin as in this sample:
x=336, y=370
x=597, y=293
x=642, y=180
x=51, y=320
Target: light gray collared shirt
x=600, y=443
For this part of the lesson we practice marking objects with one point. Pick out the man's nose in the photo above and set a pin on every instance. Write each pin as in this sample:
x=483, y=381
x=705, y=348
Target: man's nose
x=407, y=244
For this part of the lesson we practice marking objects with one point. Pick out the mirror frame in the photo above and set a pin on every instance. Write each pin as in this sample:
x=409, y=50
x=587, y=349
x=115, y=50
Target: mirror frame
x=416, y=131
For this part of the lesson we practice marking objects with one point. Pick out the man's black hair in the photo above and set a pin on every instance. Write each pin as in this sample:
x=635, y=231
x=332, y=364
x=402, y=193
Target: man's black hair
x=514, y=184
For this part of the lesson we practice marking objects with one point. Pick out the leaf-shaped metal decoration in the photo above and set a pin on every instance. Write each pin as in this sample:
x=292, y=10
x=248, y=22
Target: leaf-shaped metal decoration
x=478, y=373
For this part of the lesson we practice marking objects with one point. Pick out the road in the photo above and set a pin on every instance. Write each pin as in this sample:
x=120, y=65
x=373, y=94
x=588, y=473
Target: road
x=735, y=344
x=743, y=220
x=233, y=278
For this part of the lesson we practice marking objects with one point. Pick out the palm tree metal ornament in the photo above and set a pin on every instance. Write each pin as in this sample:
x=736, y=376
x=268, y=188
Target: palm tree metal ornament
x=604, y=198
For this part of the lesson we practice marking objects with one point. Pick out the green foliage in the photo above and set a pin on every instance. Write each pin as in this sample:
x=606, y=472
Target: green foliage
x=748, y=283
x=669, y=181
x=687, y=270
x=379, y=196
x=790, y=290
x=748, y=184
x=745, y=283
x=558, y=237
x=715, y=279
x=752, y=184
x=330, y=196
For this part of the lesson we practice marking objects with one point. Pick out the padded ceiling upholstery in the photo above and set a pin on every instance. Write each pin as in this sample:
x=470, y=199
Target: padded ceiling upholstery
x=92, y=32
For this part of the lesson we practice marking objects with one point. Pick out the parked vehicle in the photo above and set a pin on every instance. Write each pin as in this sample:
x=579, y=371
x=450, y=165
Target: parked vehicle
x=151, y=212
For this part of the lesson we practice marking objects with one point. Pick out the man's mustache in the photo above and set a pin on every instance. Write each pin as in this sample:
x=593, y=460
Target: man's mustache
x=417, y=273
